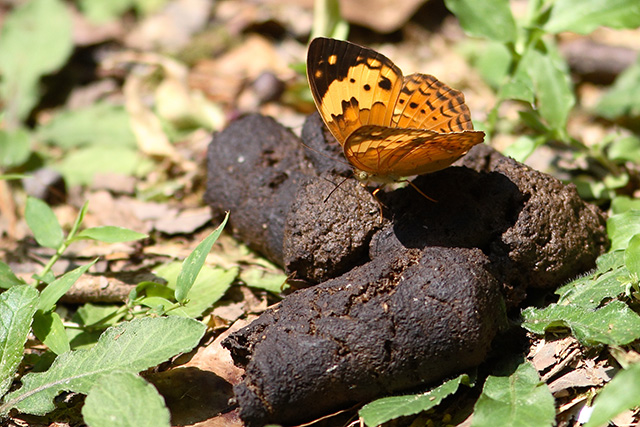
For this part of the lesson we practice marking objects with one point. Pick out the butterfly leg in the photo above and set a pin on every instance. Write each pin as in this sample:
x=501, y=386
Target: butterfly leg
x=415, y=187
x=380, y=204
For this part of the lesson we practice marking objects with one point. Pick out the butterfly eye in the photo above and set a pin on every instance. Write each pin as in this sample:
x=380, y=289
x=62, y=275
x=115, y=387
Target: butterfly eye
x=361, y=175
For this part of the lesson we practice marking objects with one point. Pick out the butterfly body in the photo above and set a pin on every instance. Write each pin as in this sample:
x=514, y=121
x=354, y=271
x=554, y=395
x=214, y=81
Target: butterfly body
x=390, y=126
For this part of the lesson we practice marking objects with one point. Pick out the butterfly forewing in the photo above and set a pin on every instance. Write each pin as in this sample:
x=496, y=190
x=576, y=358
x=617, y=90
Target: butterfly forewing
x=352, y=86
x=388, y=154
x=427, y=103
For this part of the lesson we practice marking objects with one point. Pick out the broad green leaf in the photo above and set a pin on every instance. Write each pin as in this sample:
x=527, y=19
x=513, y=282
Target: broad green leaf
x=626, y=148
x=15, y=147
x=43, y=223
x=99, y=124
x=632, y=255
x=621, y=204
x=553, y=89
x=518, y=88
x=584, y=16
x=489, y=18
x=48, y=328
x=124, y=399
x=518, y=400
x=98, y=314
x=210, y=285
x=17, y=307
x=523, y=147
x=80, y=167
x=269, y=279
x=54, y=290
x=613, y=324
x=610, y=261
x=7, y=278
x=390, y=408
x=492, y=59
x=621, y=394
x=621, y=228
x=589, y=292
x=93, y=319
x=110, y=234
x=193, y=263
x=35, y=39
x=623, y=98
x=131, y=347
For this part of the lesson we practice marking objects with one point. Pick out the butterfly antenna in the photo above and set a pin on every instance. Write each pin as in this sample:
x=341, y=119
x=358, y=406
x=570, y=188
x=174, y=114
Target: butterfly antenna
x=415, y=187
x=334, y=188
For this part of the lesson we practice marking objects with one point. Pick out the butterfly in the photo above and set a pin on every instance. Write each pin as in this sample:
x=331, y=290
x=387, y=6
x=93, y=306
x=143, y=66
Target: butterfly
x=390, y=126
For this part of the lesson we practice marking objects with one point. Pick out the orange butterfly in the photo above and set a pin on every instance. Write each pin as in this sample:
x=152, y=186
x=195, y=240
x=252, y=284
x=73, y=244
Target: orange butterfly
x=388, y=125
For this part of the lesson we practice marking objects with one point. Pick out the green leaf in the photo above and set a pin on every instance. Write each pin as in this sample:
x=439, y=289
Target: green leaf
x=489, y=18
x=584, y=16
x=590, y=292
x=130, y=347
x=80, y=167
x=267, y=278
x=17, y=307
x=613, y=324
x=621, y=394
x=389, y=408
x=7, y=278
x=100, y=124
x=210, y=285
x=109, y=234
x=492, y=60
x=523, y=147
x=553, y=89
x=124, y=399
x=632, y=255
x=623, y=98
x=157, y=303
x=621, y=228
x=621, y=204
x=93, y=319
x=43, y=223
x=36, y=39
x=625, y=149
x=518, y=400
x=519, y=89
x=48, y=328
x=610, y=261
x=193, y=263
x=54, y=290
x=15, y=147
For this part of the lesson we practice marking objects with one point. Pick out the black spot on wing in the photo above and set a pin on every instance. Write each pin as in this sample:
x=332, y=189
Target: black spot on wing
x=384, y=83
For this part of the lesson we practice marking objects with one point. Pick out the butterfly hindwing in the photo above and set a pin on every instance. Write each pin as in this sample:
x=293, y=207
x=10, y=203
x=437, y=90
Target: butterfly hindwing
x=387, y=154
x=427, y=103
x=352, y=86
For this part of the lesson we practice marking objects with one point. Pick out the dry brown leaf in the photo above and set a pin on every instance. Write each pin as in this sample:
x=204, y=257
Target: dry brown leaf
x=185, y=222
x=172, y=27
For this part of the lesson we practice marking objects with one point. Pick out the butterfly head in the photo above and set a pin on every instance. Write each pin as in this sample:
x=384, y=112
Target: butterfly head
x=365, y=177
